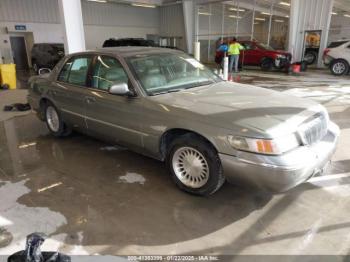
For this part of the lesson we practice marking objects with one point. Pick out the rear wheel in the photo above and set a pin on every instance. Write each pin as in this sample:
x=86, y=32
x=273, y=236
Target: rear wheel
x=195, y=165
x=54, y=122
x=310, y=57
x=339, y=67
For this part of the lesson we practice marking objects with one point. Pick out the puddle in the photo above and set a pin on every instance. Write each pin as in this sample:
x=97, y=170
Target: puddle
x=112, y=148
x=17, y=220
x=132, y=178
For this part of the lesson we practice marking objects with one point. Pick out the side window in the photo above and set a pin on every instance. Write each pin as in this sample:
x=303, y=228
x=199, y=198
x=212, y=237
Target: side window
x=75, y=71
x=108, y=71
x=247, y=46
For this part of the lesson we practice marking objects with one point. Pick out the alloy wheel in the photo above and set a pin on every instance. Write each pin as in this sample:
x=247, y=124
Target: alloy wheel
x=52, y=119
x=190, y=167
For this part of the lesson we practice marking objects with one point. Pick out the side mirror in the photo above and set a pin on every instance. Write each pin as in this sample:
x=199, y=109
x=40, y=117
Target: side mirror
x=120, y=89
x=44, y=71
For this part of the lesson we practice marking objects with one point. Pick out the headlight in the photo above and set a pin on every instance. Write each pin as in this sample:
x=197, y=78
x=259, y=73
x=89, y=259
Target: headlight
x=265, y=146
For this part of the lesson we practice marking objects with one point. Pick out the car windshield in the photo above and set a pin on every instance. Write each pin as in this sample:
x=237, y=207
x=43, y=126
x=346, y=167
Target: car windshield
x=265, y=47
x=164, y=73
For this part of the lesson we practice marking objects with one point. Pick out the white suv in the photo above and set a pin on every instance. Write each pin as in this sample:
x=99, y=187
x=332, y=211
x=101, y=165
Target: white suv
x=337, y=56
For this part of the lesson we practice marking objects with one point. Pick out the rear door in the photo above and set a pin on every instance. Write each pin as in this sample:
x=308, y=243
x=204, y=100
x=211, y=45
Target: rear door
x=112, y=117
x=70, y=90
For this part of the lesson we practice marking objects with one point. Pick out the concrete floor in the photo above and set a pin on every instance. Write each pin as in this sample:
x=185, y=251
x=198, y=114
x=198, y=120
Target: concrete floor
x=93, y=198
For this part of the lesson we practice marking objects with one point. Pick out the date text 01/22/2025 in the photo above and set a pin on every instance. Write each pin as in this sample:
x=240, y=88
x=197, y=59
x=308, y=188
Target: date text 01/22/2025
x=173, y=258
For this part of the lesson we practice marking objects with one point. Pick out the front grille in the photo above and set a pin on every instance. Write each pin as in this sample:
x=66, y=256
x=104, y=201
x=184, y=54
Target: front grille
x=313, y=130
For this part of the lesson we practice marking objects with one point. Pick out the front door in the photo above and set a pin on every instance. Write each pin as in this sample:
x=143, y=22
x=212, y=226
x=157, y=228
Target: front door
x=250, y=54
x=112, y=117
x=19, y=51
x=70, y=90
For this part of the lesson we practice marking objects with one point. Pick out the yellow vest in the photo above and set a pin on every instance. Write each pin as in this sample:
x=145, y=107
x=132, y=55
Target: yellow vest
x=234, y=49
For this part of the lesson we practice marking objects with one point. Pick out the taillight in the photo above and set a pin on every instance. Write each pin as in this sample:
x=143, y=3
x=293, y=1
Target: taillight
x=326, y=51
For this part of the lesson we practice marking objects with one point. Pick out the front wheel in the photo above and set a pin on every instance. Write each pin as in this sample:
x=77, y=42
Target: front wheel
x=195, y=165
x=339, y=67
x=54, y=122
x=266, y=64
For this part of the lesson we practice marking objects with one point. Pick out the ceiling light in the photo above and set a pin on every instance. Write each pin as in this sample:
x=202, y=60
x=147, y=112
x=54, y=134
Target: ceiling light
x=204, y=13
x=234, y=16
x=346, y=15
x=235, y=9
x=334, y=13
x=287, y=16
x=285, y=3
x=143, y=5
x=279, y=21
x=256, y=23
x=264, y=13
x=98, y=1
x=259, y=19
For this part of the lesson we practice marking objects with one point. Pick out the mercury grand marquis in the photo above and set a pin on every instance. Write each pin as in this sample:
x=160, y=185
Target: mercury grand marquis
x=166, y=105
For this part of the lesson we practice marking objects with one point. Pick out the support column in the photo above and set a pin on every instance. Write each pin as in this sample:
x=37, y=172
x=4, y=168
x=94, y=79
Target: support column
x=73, y=27
x=189, y=21
x=307, y=16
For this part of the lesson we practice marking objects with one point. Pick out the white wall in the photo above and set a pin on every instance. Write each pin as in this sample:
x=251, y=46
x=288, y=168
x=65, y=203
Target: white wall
x=95, y=35
x=339, y=28
x=101, y=21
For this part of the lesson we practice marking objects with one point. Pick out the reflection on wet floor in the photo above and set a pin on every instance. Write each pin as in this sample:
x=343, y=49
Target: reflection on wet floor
x=104, y=194
x=90, y=197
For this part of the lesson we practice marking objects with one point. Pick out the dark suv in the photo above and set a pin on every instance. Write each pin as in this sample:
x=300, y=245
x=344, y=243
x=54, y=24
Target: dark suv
x=46, y=55
x=112, y=42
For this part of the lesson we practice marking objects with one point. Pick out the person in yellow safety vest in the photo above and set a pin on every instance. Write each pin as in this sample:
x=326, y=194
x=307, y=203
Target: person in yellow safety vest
x=233, y=52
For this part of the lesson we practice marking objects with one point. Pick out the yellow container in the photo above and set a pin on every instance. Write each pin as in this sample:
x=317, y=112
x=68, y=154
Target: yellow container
x=8, y=75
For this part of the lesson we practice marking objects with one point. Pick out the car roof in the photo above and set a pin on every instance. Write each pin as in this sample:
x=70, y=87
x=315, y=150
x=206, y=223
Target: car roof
x=126, y=51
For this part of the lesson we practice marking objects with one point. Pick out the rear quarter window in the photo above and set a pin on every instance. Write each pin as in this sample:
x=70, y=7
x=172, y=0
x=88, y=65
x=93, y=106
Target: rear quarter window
x=75, y=71
x=336, y=44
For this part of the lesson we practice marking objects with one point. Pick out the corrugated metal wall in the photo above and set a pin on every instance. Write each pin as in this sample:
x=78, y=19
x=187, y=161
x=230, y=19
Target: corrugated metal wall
x=46, y=11
x=38, y=11
x=172, y=21
x=309, y=15
x=119, y=15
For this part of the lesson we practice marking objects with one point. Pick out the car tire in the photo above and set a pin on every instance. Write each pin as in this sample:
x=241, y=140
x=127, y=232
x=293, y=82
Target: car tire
x=310, y=57
x=54, y=121
x=195, y=165
x=339, y=67
x=266, y=64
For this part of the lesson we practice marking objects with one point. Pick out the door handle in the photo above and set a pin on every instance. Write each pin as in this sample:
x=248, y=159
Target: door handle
x=90, y=99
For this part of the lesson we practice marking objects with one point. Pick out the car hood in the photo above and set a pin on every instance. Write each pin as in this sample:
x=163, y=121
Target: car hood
x=248, y=110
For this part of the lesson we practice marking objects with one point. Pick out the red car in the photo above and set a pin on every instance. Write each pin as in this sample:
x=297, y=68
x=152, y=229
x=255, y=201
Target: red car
x=258, y=54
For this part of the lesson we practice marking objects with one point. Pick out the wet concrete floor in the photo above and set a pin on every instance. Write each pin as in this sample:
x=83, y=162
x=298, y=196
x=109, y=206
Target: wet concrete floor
x=94, y=198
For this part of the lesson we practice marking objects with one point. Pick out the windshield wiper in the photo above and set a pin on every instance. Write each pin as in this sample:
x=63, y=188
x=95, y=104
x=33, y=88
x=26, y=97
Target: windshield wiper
x=167, y=91
x=204, y=83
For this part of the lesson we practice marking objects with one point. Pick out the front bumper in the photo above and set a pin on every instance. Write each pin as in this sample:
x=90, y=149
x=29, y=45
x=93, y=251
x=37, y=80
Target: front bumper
x=280, y=173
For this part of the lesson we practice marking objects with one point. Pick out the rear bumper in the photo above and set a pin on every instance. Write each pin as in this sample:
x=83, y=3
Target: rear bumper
x=35, y=106
x=327, y=60
x=280, y=173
